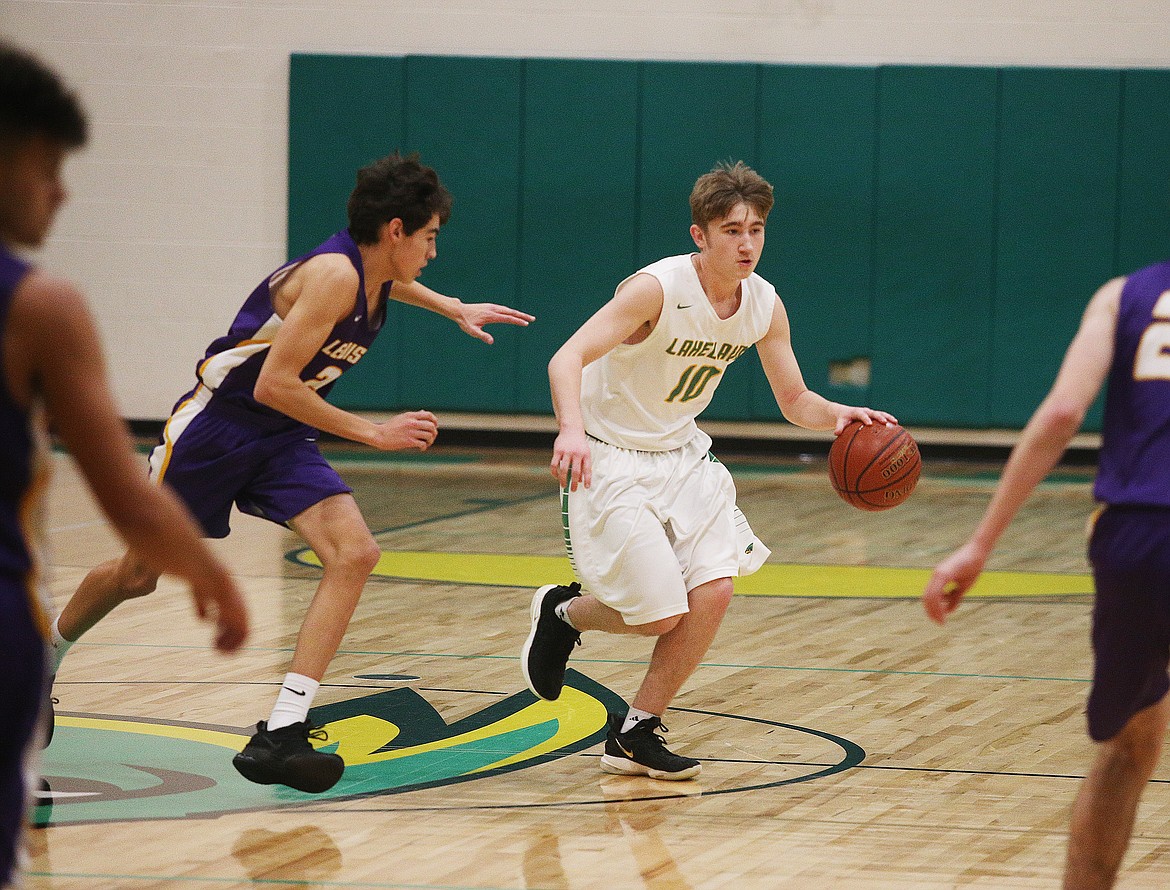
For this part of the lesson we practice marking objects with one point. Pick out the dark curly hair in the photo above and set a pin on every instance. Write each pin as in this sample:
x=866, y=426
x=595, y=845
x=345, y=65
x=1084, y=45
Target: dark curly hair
x=33, y=100
x=395, y=187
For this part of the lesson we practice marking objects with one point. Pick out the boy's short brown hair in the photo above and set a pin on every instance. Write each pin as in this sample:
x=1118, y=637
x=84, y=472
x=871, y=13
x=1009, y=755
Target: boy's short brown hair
x=728, y=184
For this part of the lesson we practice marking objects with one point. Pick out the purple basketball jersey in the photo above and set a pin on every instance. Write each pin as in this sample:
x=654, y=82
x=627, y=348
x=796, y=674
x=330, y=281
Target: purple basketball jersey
x=232, y=362
x=17, y=444
x=23, y=619
x=1134, y=464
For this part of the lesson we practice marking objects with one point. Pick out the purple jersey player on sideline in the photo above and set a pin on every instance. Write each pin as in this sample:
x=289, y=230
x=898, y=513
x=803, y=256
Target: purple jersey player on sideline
x=23, y=603
x=1125, y=334
x=247, y=434
x=51, y=369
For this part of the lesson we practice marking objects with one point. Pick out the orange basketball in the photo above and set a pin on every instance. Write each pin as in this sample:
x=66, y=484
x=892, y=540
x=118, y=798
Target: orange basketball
x=874, y=467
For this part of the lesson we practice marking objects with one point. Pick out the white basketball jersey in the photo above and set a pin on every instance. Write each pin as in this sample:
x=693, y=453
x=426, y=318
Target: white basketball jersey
x=647, y=396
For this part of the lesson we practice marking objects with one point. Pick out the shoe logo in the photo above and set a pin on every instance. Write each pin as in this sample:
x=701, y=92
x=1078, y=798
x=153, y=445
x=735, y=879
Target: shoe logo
x=629, y=754
x=293, y=691
x=687, y=306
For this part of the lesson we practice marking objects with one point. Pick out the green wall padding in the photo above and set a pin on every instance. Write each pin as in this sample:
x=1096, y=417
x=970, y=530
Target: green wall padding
x=693, y=115
x=1057, y=218
x=479, y=159
x=325, y=150
x=579, y=204
x=947, y=223
x=817, y=142
x=328, y=141
x=1143, y=212
x=934, y=244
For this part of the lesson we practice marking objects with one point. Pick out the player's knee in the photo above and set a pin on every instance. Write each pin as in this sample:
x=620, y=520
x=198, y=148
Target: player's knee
x=1136, y=749
x=715, y=596
x=138, y=581
x=723, y=591
x=361, y=556
x=657, y=628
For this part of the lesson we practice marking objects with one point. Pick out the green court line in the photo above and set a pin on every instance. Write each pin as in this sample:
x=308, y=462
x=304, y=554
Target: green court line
x=576, y=661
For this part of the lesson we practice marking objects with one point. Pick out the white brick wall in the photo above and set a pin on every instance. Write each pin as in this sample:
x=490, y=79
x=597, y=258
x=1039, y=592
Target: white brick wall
x=179, y=201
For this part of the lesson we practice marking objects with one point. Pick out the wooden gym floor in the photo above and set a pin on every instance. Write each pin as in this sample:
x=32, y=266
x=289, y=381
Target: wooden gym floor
x=847, y=742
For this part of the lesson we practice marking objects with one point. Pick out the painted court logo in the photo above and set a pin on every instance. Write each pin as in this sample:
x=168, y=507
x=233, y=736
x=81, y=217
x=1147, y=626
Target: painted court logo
x=102, y=769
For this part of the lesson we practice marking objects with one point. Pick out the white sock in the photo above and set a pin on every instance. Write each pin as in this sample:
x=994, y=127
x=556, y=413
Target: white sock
x=59, y=645
x=633, y=717
x=561, y=610
x=293, y=703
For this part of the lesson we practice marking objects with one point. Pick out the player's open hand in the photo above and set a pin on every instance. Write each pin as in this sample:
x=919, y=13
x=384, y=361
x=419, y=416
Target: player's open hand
x=951, y=580
x=473, y=317
x=218, y=600
x=409, y=430
x=571, y=463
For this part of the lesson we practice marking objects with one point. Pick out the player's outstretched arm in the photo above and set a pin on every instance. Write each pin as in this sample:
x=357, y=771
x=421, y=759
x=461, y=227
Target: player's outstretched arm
x=471, y=317
x=1041, y=444
x=55, y=352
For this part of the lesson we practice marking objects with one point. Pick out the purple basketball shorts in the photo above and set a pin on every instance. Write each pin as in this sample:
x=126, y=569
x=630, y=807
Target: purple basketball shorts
x=218, y=459
x=1130, y=554
x=22, y=689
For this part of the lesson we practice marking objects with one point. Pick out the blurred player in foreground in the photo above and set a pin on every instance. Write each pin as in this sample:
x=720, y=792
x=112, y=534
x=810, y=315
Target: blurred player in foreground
x=52, y=372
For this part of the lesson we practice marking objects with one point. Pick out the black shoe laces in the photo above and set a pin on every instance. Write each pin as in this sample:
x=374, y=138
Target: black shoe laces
x=649, y=726
x=317, y=734
x=662, y=727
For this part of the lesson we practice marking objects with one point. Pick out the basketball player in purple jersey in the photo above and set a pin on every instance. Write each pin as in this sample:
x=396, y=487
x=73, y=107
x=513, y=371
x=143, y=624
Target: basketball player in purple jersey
x=1124, y=336
x=247, y=434
x=51, y=370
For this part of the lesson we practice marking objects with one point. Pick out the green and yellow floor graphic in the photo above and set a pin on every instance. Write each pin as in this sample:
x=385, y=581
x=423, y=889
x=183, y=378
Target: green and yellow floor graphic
x=101, y=769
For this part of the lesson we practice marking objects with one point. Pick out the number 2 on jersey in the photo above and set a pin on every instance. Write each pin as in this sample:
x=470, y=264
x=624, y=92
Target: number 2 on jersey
x=1152, y=359
x=327, y=375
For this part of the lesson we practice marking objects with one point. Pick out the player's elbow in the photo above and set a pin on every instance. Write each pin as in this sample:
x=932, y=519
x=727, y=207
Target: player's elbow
x=266, y=391
x=1061, y=418
x=564, y=362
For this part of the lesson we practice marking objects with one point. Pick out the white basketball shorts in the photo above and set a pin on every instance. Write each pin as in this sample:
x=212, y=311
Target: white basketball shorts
x=654, y=525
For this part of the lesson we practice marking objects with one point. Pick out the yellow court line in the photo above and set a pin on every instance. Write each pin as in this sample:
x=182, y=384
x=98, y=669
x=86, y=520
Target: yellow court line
x=773, y=579
x=230, y=740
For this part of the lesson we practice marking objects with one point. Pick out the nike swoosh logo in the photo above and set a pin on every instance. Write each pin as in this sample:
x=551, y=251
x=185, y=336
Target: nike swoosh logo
x=687, y=306
x=293, y=691
x=622, y=748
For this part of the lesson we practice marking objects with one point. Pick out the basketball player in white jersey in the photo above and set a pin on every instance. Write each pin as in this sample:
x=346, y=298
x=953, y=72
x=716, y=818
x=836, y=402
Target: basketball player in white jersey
x=651, y=525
